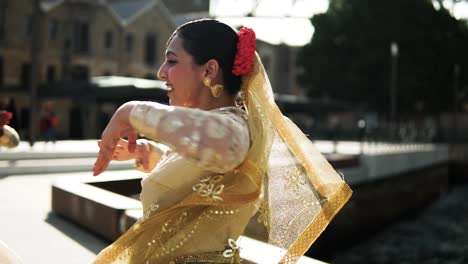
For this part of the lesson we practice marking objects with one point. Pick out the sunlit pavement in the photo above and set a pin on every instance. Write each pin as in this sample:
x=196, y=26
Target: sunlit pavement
x=27, y=224
x=29, y=228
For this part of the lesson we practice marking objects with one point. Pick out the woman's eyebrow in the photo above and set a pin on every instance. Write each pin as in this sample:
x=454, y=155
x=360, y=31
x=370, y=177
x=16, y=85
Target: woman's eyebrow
x=169, y=52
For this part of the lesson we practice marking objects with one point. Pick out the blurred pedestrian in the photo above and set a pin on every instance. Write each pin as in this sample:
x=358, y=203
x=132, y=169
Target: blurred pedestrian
x=48, y=124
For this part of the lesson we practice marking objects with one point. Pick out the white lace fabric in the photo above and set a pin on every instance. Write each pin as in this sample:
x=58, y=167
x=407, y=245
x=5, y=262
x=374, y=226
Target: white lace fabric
x=218, y=140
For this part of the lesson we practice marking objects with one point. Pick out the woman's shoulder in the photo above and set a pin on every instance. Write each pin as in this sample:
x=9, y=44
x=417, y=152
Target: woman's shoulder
x=232, y=110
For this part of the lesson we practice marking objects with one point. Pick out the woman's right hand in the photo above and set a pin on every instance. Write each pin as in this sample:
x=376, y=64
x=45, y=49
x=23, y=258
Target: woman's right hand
x=117, y=128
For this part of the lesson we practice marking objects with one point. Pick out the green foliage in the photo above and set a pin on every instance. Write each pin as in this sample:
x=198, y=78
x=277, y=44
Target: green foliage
x=349, y=57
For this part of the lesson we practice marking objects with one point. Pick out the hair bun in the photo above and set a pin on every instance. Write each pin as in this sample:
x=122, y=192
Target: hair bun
x=245, y=54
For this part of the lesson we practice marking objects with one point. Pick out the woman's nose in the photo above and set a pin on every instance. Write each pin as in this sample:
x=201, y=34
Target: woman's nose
x=161, y=73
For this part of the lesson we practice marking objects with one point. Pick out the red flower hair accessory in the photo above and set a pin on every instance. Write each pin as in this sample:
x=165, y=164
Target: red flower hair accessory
x=245, y=51
x=5, y=117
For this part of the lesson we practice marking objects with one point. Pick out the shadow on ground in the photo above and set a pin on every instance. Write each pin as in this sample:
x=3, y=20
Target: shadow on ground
x=77, y=233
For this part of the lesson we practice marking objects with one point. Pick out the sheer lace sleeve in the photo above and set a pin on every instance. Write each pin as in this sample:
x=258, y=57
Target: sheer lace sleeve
x=217, y=140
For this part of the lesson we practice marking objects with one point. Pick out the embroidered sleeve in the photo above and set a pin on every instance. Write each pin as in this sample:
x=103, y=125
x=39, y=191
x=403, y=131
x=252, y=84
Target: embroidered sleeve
x=217, y=140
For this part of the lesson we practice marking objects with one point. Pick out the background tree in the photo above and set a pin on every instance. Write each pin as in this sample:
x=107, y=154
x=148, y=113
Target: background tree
x=348, y=57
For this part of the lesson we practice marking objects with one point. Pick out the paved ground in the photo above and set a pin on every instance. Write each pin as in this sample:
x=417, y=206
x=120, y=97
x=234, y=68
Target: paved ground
x=29, y=228
x=27, y=224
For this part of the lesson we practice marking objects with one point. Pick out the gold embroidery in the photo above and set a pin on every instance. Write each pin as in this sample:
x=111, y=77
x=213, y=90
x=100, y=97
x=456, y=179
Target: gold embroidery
x=206, y=257
x=232, y=249
x=264, y=214
x=208, y=188
x=293, y=175
x=153, y=208
x=170, y=227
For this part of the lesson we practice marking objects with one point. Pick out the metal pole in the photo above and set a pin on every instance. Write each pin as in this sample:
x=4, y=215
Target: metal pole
x=35, y=70
x=393, y=85
x=456, y=74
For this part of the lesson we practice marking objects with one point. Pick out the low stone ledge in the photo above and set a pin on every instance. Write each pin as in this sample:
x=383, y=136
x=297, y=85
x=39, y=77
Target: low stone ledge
x=94, y=208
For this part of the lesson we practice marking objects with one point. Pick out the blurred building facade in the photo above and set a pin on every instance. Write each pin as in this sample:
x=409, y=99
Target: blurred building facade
x=82, y=38
x=79, y=39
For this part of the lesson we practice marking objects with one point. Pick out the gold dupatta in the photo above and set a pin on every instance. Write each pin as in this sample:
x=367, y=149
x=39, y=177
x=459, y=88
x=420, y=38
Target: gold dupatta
x=301, y=190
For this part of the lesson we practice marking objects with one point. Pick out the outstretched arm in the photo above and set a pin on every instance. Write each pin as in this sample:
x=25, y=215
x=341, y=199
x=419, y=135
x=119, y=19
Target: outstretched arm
x=215, y=140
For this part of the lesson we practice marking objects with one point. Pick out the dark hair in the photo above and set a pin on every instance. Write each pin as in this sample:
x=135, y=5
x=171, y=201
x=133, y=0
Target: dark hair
x=207, y=39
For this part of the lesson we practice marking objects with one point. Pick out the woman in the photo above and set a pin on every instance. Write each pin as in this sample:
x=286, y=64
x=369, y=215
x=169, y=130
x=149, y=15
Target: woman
x=225, y=162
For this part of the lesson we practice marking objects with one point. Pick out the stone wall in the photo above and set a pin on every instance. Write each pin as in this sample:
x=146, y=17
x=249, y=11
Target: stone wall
x=376, y=204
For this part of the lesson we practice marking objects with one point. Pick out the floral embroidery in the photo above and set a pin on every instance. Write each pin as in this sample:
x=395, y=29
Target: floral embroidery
x=233, y=248
x=294, y=177
x=153, y=208
x=264, y=213
x=216, y=130
x=172, y=124
x=172, y=227
x=209, y=188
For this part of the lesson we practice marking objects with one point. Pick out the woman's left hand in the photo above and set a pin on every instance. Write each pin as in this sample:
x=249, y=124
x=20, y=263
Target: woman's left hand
x=118, y=127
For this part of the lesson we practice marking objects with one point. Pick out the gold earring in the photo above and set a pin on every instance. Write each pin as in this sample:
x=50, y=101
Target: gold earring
x=216, y=89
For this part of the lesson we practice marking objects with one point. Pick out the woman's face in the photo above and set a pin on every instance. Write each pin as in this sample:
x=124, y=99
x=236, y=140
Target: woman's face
x=183, y=77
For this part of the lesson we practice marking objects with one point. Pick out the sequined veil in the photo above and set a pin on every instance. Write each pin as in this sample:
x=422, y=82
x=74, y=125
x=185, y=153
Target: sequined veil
x=285, y=184
x=301, y=191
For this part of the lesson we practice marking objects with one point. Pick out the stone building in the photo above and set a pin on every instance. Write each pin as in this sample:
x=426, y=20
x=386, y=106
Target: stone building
x=81, y=39
x=78, y=39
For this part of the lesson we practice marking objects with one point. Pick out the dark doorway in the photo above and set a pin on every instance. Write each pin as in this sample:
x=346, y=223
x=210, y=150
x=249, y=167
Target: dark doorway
x=76, y=123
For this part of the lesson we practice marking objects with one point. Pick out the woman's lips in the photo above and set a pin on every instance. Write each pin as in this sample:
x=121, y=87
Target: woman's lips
x=169, y=88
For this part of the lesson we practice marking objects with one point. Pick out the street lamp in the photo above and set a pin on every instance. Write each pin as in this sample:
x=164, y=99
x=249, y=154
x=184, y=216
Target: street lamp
x=393, y=83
